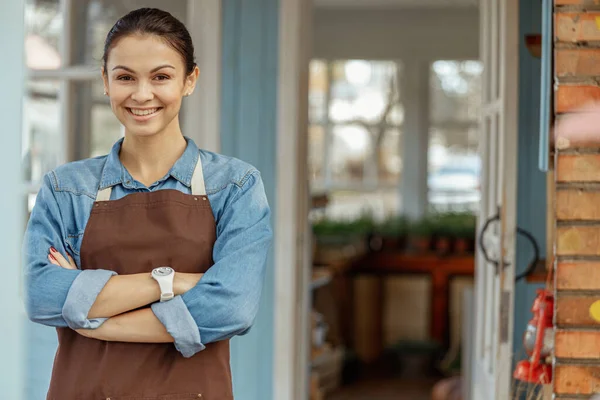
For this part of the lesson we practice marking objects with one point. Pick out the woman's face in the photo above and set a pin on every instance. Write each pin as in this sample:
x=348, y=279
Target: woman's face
x=146, y=80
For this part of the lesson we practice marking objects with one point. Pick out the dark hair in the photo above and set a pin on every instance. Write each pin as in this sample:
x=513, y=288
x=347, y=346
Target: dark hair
x=152, y=21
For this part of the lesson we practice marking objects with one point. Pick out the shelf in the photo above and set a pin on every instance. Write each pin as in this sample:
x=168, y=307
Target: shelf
x=321, y=276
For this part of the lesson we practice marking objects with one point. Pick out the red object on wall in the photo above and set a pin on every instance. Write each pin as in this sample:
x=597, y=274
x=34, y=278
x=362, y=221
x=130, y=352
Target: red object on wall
x=538, y=341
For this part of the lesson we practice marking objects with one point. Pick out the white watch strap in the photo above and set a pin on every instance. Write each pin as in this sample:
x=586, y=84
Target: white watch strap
x=166, y=287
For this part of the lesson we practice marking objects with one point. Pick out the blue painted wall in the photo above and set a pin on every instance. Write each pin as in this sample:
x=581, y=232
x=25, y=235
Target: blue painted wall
x=531, y=206
x=248, y=131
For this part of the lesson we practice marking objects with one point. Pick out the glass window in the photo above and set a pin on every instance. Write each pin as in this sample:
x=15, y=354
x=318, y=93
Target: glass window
x=41, y=129
x=355, y=136
x=361, y=90
x=454, y=163
x=97, y=127
x=390, y=157
x=43, y=31
x=350, y=150
x=351, y=203
x=455, y=90
x=318, y=91
x=100, y=15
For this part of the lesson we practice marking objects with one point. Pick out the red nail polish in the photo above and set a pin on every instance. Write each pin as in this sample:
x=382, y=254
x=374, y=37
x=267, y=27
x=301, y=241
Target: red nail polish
x=53, y=250
x=52, y=257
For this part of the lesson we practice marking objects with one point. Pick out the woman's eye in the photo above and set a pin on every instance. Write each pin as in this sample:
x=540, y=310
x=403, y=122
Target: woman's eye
x=124, y=78
x=161, y=77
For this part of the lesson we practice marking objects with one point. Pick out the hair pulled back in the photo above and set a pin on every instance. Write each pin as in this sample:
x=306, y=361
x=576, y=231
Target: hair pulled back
x=152, y=21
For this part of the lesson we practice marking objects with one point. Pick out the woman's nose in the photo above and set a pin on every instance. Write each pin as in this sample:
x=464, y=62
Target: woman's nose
x=143, y=92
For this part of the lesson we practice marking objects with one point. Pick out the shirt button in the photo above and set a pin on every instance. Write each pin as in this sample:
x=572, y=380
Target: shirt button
x=199, y=395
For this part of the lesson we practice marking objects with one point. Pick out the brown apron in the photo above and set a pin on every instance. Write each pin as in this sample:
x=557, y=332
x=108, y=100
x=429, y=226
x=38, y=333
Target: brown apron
x=131, y=235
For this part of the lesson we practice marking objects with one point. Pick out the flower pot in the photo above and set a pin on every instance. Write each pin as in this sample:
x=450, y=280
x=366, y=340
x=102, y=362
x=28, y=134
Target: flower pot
x=443, y=245
x=338, y=248
x=461, y=245
x=420, y=244
x=393, y=243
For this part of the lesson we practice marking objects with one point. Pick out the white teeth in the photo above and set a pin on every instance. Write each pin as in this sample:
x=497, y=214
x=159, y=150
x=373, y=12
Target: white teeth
x=143, y=112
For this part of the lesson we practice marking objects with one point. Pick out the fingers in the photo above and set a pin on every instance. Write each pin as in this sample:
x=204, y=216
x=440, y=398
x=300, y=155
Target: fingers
x=53, y=260
x=57, y=259
x=578, y=128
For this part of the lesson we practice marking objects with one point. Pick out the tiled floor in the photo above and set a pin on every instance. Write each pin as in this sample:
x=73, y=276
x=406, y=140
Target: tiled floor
x=386, y=389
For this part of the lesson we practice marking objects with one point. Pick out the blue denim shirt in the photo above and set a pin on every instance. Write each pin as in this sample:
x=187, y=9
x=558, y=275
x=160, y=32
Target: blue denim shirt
x=225, y=301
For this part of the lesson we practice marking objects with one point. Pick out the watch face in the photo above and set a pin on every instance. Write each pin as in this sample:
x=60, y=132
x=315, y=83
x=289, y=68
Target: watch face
x=162, y=271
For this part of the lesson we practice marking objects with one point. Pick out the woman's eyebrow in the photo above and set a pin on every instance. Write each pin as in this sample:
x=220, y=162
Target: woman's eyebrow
x=153, y=70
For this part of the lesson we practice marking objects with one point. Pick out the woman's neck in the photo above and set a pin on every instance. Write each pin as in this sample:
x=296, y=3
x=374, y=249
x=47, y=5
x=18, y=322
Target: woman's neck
x=150, y=158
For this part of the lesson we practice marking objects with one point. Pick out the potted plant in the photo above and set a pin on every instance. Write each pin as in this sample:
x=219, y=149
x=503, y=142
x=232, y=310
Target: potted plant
x=393, y=232
x=443, y=232
x=464, y=233
x=420, y=233
x=340, y=238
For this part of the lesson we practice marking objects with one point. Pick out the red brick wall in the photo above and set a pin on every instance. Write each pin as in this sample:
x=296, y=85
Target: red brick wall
x=577, y=204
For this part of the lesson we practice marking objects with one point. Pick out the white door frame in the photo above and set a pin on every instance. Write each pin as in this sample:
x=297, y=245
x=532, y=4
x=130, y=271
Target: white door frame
x=492, y=355
x=292, y=247
x=12, y=24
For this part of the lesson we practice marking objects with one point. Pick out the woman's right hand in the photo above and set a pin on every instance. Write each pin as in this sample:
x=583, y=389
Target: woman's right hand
x=183, y=282
x=57, y=259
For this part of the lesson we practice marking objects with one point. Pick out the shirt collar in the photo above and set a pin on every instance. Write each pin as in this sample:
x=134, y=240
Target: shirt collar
x=115, y=173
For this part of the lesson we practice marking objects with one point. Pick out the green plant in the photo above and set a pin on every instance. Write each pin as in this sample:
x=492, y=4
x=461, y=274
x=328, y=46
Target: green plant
x=423, y=227
x=464, y=225
x=443, y=224
x=344, y=228
x=395, y=226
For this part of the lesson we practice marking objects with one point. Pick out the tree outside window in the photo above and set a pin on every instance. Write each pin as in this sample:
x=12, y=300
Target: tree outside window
x=355, y=135
x=454, y=162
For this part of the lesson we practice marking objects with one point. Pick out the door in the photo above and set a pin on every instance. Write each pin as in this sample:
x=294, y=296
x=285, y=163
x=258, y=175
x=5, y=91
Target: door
x=495, y=256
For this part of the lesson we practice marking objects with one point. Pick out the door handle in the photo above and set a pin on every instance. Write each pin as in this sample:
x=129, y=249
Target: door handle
x=486, y=256
x=536, y=248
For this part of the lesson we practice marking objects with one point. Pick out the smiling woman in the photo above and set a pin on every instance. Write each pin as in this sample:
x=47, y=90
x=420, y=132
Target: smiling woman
x=146, y=268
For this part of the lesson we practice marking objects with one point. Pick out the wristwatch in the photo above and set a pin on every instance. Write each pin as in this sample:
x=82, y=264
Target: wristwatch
x=164, y=276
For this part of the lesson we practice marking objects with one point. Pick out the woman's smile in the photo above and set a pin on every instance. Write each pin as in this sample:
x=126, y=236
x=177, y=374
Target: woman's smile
x=143, y=114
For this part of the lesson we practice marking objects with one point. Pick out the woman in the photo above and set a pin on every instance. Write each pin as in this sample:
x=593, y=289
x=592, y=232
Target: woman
x=149, y=259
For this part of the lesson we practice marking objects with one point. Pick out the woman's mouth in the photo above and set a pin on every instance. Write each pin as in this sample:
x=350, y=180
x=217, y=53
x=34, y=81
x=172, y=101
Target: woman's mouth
x=143, y=114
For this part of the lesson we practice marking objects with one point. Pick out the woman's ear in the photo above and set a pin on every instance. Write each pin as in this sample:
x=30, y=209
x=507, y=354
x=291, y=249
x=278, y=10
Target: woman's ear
x=105, y=81
x=190, y=81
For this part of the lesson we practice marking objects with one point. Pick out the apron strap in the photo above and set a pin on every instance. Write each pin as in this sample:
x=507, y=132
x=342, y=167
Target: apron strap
x=104, y=194
x=198, y=188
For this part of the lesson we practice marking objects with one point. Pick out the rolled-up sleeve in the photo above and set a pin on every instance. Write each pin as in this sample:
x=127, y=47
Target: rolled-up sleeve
x=56, y=296
x=225, y=301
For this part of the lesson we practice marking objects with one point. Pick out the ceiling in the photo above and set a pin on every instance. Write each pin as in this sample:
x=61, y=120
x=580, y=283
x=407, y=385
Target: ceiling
x=374, y=4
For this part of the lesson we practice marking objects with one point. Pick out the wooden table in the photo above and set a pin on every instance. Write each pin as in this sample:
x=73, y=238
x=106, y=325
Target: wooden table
x=441, y=269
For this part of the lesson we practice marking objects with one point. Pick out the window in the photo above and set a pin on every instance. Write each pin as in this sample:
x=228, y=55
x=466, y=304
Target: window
x=66, y=115
x=355, y=135
x=454, y=164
